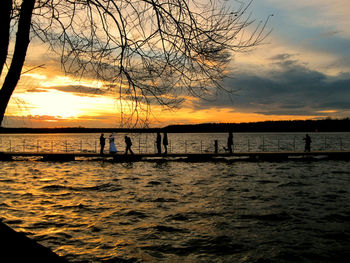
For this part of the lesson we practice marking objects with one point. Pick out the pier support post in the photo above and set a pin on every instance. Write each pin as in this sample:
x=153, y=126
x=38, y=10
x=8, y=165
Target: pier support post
x=263, y=146
x=294, y=144
x=216, y=146
x=341, y=144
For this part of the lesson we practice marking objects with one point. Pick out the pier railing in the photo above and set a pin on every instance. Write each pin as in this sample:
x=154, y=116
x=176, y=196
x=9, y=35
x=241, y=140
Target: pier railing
x=142, y=145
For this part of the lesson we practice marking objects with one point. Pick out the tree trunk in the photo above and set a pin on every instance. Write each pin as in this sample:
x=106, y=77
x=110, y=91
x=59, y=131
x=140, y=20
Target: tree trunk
x=20, y=51
x=5, y=13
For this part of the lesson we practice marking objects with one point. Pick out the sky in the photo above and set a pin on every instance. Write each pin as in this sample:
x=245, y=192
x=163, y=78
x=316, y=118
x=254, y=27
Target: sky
x=301, y=71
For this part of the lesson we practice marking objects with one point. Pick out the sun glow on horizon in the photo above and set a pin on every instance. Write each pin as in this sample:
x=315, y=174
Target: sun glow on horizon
x=65, y=105
x=47, y=106
x=69, y=81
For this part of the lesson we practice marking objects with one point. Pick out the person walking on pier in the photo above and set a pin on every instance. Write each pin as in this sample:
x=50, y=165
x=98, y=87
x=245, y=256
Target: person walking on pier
x=230, y=142
x=307, y=140
x=128, y=144
x=102, y=143
x=165, y=142
x=112, y=147
x=159, y=143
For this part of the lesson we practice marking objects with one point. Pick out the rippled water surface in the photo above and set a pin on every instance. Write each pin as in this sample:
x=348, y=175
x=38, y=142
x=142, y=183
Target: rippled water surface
x=94, y=211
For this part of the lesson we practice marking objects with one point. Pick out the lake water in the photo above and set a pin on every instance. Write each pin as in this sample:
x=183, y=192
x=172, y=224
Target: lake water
x=95, y=211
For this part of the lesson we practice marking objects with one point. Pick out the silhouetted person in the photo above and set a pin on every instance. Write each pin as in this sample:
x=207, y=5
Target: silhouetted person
x=165, y=142
x=112, y=147
x=128, y=144
x=307, y=140
x=102, y=143
x=159, y=143
x=229, y=142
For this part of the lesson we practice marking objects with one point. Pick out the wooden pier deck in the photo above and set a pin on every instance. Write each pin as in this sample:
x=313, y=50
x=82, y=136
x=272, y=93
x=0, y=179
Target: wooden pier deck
x=195, y=157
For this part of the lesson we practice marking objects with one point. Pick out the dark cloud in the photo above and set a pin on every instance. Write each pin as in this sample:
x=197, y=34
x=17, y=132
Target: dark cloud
x=80, y=90
x=282, y=57
x=344, y=105
x=36, y=90
x=290, y=88
x=290, y=112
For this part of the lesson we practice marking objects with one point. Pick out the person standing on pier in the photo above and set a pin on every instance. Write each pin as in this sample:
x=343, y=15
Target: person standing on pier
x=307, y=140
x=230, y=142
x=128, y=144
x=112, y=148
x=165, y=142
x=159, y=143
x=102, y=143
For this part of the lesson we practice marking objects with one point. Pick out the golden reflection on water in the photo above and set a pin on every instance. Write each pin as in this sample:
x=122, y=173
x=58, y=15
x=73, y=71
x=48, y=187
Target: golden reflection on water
x=173, y=211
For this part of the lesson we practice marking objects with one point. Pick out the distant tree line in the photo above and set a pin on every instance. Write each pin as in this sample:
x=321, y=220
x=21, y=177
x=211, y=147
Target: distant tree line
x=326, y=125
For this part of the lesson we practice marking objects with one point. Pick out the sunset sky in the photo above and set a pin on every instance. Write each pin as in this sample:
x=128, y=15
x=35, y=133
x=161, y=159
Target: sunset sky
x=302, y=71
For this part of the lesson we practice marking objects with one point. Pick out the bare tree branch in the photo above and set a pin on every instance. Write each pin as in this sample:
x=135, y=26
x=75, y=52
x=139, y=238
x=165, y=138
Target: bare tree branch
x=152, y=51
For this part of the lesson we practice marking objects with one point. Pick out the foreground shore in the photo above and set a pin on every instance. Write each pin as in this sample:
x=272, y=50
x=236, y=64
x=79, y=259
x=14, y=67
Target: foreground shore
x=17, y=247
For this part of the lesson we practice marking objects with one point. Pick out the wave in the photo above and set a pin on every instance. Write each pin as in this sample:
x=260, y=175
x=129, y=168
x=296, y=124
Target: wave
x=292, y=184
x=4, y=205
x=272, y=217
x=178, y=217
x=153, y=183
x=45, y=225
x=54, y=188
x=7, y=181
x=218, y=246
x=169, y=229
x=136, y=214
x=165, y=200
x=103, y=187
x=14, y=222
x=108, y=187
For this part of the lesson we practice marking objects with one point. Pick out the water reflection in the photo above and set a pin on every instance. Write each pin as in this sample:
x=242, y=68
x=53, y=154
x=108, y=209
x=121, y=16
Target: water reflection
x=174, y=211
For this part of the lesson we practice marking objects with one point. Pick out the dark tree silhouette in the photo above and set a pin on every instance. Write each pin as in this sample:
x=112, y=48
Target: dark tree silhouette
x=152, y=51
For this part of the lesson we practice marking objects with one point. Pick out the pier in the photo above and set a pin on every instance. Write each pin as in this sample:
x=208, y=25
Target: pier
x=195, y=157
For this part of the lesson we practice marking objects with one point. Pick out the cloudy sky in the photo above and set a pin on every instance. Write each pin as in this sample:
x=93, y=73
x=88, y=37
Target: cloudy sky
x=302, y=71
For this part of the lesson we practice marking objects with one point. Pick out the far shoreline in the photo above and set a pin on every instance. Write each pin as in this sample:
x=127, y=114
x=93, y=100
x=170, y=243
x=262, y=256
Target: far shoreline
x=326, y=125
